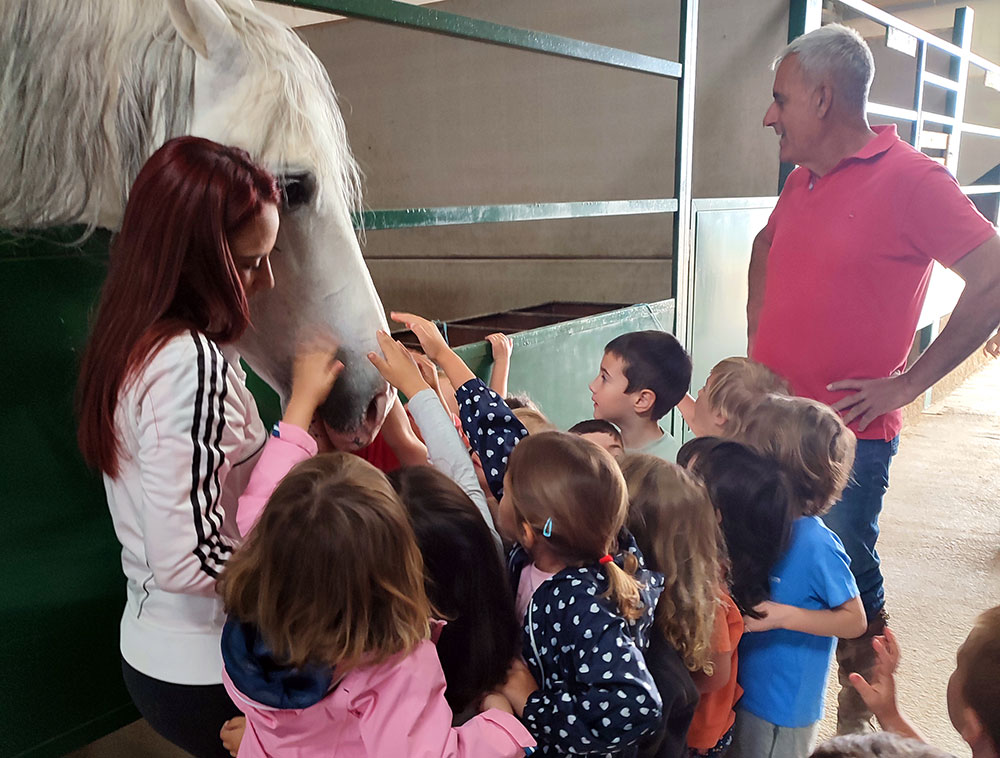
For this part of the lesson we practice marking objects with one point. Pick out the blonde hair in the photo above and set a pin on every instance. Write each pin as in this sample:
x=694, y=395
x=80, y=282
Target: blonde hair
x=571, y=493
x=675, y=526
x=736, y=385
x=534, y=420
x=332, y=573
x=810, y=442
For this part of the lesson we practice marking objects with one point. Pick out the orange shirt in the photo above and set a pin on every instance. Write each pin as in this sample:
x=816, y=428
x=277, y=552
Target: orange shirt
x=714, y=715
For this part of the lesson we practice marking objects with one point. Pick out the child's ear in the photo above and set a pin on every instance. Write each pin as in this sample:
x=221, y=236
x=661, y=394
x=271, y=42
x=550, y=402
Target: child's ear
x=643, y=401
x=528, y=537
x=972, y=728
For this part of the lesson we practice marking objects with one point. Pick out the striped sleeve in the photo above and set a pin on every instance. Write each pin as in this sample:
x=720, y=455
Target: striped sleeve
x=183, y=463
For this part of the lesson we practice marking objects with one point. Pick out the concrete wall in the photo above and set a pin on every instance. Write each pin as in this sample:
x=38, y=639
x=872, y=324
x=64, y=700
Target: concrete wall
x=440, y=121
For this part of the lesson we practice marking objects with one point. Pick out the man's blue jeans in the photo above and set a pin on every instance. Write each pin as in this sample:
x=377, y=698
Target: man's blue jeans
x=854, y=518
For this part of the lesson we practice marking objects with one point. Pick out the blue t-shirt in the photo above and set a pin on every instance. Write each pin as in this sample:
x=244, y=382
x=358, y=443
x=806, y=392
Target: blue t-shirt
x=783, y=673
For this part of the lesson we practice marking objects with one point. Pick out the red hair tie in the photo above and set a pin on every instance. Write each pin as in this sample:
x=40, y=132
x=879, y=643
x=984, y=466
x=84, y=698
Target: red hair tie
x=606, y=559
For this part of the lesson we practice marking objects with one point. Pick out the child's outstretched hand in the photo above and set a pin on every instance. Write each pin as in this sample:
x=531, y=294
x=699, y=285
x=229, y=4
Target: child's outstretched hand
x=502, y=346
x=315, y=370
x=427, y=370
x=431, y=339
x=519, y=685
x=397, y=366
x=880, y=694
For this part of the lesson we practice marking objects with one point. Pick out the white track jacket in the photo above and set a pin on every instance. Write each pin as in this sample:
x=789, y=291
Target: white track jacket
x=190, y=436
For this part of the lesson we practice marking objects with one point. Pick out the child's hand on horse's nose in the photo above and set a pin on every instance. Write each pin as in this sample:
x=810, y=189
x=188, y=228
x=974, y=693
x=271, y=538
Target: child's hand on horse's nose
x=431, y=339
x=316, y=369
x=397, y=366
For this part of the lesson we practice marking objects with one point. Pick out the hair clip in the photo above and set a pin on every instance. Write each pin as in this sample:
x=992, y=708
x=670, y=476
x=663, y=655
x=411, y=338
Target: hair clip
x=547, y=529
x=606, y=559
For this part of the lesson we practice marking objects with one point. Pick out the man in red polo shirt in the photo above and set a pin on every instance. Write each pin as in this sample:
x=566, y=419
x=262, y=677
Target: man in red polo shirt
x=838, y=277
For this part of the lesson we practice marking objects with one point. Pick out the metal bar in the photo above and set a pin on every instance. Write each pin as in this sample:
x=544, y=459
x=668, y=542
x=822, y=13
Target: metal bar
x=959, y=72
x=887, y=19
x=918, y=94
x=891, y=111
x=454, y=25
x=682, y=274
x=409, y=218
x=981, y=189
x=937, y=118
x=985, y=131
x=940, y=81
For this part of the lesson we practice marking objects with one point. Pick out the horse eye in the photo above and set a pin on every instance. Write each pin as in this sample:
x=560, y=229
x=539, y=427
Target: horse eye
x=297, y=189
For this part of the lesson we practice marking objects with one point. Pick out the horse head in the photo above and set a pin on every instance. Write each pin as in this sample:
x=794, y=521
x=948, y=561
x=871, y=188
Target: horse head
x=257, y=85
x=78, y=128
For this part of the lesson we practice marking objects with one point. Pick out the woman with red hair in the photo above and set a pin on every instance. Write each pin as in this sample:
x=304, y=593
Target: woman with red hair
x=165, y=415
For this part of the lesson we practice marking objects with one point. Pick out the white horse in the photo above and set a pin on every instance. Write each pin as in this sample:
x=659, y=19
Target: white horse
x=89, y=89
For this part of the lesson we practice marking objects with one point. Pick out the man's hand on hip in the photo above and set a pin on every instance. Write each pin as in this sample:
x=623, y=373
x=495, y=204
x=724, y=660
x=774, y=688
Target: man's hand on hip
x=873, y=398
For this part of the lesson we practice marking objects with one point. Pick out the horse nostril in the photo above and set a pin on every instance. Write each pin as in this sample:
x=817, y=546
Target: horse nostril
x=374, y=411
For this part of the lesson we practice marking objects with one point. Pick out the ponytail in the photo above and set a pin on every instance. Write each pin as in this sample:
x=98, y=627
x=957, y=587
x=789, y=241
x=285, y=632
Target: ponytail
x=623, y=587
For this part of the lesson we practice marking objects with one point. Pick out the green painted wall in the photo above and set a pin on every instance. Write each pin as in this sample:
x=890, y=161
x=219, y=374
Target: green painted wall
x=60, y=570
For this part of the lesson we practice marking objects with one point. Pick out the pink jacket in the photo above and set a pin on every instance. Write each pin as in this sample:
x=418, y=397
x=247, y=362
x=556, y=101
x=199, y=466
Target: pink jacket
x=395, y=709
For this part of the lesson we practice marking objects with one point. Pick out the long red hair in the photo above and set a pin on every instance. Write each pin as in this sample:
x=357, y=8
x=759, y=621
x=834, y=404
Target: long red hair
x=171, y=269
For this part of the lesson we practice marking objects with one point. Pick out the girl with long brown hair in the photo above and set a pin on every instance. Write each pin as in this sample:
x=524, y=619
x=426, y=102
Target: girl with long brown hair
x=328, y=647
x=589, y=603
x=165, y=415
x=675, y=526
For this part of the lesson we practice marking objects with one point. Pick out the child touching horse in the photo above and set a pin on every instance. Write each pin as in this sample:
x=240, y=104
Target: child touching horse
x=675, y=526
x=489, y=423
x=588, y=620
x=327, y=647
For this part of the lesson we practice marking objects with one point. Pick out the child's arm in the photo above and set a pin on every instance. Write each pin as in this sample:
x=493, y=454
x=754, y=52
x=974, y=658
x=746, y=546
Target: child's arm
x=399, y=436
x=612, y=703
x=880, y=695
x=722, y=669
x=435, y=348
x=401, y=711
x=502, y=347
x=492, y=428
x=723, y=646
x=313, y=375
x=846, y=621
x=444, y=447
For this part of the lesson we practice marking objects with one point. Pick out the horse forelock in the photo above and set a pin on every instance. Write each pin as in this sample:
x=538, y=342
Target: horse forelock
x=90, y=89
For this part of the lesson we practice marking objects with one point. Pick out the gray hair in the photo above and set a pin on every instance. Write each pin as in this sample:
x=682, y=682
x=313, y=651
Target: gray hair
x=840, y=52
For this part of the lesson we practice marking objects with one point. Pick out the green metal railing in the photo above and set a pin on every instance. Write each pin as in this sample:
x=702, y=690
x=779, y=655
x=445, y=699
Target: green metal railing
x=441, y=22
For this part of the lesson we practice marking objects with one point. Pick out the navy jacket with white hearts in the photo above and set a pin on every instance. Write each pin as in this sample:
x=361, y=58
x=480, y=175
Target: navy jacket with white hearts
x=596, y=695
x=492, y=428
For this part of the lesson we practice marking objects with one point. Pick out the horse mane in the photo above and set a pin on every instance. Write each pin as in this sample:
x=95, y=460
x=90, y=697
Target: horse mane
x=90, y=89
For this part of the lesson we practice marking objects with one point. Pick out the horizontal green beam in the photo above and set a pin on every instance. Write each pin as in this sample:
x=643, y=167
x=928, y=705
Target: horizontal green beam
x=454, y=25
x=408, y=218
